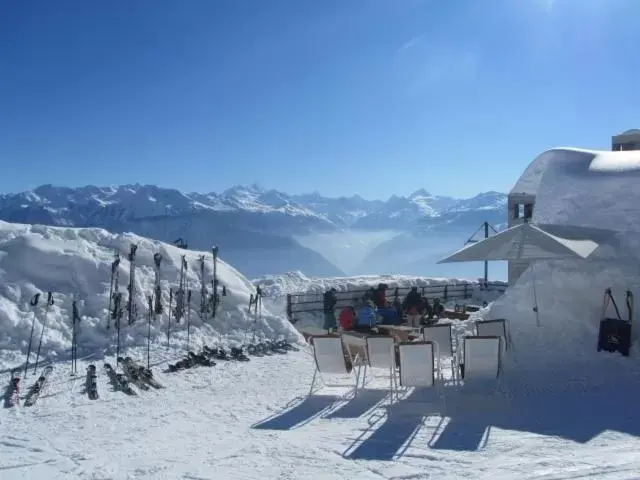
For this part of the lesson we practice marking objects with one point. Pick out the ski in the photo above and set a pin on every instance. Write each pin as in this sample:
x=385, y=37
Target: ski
x=192, y=360
x=181, y=291
x=12, y=396
x=133, y=374
x=92, y=383
x=131, y=303
x=114, y=288
x=34, y=392
x=203, y=292
x=118, y=380
x=157, y=291
x=145, y=373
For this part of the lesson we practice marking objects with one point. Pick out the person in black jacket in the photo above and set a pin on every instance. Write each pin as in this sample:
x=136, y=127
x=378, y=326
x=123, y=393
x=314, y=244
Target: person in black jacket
x=330, y=299
x=412, y=300
x=411, y=305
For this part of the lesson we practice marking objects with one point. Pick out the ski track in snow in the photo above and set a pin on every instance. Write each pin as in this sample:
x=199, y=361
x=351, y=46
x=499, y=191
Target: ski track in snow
x=205, y=424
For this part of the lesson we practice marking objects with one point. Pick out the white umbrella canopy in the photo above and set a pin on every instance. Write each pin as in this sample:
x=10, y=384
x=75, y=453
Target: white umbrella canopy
x=523, y=242
x=527, y=242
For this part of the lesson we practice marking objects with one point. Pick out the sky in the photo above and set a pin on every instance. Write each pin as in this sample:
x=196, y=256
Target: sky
x=369, y=97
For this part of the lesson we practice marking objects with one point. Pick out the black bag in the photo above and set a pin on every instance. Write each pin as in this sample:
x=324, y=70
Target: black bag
x=615, y=333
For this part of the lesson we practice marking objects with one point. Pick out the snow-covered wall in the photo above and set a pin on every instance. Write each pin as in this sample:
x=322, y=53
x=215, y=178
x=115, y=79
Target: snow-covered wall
x=588, y=189
x=76, y=263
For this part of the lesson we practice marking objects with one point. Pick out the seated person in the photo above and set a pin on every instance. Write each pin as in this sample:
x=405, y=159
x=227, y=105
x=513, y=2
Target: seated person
x=347, y=318
x=438, y=308
x=389, y=316
x=366, y=318
x=425, y=306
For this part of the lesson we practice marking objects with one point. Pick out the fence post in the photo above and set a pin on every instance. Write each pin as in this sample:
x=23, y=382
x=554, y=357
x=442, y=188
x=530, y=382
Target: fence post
x=446, y=292
x=289, y=308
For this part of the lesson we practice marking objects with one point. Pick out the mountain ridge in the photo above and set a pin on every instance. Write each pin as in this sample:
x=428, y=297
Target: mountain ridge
x=344, y=211
x=261, y=231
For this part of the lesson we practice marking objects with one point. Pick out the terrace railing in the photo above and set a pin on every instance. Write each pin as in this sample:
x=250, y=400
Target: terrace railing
x=312, y=302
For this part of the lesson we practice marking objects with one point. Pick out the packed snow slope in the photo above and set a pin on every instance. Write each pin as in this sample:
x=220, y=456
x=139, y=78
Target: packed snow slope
x=75, y=263
x=586, y=189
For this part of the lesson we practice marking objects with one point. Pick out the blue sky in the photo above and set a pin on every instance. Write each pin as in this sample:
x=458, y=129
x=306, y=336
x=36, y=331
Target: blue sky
x=371, y=97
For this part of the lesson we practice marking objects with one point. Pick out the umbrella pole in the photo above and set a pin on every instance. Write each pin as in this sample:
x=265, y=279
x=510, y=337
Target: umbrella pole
x=535, y=294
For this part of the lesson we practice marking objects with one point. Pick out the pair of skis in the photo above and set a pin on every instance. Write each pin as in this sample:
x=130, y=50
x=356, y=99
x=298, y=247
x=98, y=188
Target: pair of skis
x=13, y=393
x=134, y=373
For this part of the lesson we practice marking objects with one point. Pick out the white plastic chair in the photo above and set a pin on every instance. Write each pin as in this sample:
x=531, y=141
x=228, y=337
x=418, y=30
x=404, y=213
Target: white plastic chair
x=419, y=362
x=381, y=356
x=331, y=358
x=442, y=336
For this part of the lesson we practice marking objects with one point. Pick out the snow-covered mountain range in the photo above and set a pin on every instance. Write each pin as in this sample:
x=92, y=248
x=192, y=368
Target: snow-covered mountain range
x=260, y=231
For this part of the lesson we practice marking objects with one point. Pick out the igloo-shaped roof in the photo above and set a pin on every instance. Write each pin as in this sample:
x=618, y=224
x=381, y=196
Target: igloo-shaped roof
x=589, y=160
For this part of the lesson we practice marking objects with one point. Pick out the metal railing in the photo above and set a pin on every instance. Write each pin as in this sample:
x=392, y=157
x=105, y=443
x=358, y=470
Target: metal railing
x=310, y=302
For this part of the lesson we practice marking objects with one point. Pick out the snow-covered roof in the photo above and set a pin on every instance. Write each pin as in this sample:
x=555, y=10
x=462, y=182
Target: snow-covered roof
x=632, y=131
x=592, y=160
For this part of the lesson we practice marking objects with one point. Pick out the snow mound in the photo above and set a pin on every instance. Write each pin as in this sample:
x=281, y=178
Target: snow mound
x=586, y=189
x=75, y=263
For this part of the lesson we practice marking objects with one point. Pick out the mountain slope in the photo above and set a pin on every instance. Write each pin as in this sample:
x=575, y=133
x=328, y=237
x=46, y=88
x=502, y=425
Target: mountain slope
x=253, y=227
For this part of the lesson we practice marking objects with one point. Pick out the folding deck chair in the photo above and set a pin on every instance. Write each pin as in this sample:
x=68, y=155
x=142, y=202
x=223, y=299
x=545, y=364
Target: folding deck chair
x=419, y=362
x=332, y=358
x=481, y=361
x=381, y=356
x=442, y=336
x=494, y=328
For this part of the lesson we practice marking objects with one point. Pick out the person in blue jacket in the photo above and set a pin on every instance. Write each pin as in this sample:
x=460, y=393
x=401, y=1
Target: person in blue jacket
x=366, y=318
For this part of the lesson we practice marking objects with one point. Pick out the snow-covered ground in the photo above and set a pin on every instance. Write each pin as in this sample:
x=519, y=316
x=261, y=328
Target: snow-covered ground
x=252, y=420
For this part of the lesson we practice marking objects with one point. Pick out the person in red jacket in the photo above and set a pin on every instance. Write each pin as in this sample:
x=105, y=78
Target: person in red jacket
x=347, y=318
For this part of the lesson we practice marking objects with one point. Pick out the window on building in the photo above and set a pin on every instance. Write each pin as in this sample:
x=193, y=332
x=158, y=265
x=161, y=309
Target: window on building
x=528, y=210
x=518, y=211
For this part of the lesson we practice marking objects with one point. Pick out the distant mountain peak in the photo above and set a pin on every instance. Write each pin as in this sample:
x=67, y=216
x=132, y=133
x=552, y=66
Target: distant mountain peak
x=421, y=192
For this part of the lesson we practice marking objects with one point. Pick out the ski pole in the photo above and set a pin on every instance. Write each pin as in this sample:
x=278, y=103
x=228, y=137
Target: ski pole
x=50, y=303
x=73, y=337
x=150, y=299
x=118, y=319
x=34, y=303
x=188, y=317
x=169, y=319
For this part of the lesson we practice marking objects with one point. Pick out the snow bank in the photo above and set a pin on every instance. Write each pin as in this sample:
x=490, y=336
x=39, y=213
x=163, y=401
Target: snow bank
x=588, y=189
x=76, y=263
x=298, y=282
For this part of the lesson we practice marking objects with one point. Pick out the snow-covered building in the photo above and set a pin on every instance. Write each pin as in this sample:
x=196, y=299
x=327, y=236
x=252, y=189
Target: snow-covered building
x=596, y=190
x=628, y=140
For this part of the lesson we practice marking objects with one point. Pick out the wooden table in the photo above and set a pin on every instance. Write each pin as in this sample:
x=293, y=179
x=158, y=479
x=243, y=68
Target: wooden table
x=452, y=314
x=400, y=333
